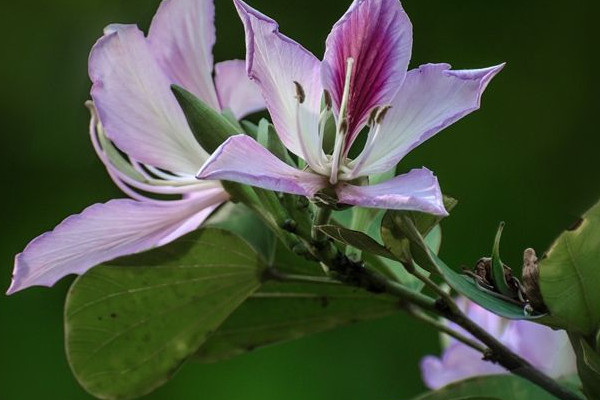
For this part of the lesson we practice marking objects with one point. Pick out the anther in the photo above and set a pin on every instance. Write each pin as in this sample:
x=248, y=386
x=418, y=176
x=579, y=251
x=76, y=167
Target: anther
x=327, y=99
x=381, y=113
x=373, y=116
x=300, y=94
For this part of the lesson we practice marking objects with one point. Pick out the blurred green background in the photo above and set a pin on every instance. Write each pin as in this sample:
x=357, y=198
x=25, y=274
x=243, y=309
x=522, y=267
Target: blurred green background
x=529, y=157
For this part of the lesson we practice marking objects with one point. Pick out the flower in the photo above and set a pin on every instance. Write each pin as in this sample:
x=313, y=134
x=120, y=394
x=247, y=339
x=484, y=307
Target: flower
x=362, y=81
x=546, y=349
x=133, y=107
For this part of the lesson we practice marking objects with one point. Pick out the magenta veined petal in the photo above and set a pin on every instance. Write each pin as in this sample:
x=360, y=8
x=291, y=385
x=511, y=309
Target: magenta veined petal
x=182, y=36
x=417, y=190
x=241, y=159
x=431, y=98
x=135, y=104
x=276, y=62
x=106, y=231
x=236, y=91
x=377, y=34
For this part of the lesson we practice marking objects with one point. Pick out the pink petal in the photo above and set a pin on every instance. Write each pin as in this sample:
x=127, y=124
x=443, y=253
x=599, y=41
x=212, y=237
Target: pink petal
x=236, y=91
x=135, y=104
x=241, y=159
x=275, y=62
x=458, y=362
x=377, y=34
x=417, y=190
x=106, y=231
x=431, y=98
x=547, y=349
x=182, y=36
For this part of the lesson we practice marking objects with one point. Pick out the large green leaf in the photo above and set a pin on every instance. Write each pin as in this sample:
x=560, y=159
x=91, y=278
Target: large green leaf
x=501, y=387
x=131, y=324
x=570, y=275
x=282, y=311
x=588, y=366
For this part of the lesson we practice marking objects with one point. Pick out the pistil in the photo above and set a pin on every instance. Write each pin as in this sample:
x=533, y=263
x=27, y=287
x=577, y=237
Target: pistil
x=342, y=127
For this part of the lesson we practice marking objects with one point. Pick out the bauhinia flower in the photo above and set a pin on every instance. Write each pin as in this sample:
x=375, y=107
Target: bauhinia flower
x=134, y=110
x=546, y=349
x=362, y=81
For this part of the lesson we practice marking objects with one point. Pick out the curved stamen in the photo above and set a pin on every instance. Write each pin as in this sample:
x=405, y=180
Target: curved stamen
x=377, y=119
x=128, y=174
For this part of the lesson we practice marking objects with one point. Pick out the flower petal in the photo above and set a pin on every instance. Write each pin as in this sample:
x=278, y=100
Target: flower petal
x=431, y=98
x=241, y=159
x=135, y=104
x=545, y=348
x=182, y=36
x=275, y=62
x=417, y=190
x=236, y=91
x=458, y=362
x=106, y=231
x=377, y=34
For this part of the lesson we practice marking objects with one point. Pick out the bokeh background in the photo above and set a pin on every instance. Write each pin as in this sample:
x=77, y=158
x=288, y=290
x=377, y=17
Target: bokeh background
x=529, y=157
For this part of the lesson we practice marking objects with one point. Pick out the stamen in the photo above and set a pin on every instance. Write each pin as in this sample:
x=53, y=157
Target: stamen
x=327, y=99
x=381, y=113
x=300, y=93
x=373, y=116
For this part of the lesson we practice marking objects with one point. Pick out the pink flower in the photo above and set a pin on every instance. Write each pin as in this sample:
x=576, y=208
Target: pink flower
x=544, y=348
x=135, y=110
x=362, y=81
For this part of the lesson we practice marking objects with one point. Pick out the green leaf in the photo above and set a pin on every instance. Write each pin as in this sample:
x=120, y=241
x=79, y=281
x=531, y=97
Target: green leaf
x=466, y=286
x=498, y=266
x=501, y=387
x=356, y=239
x=588, y=366
x=283, y=311
x=570, y=275
x=395, y=236
x=210, y=128
x=131, y=324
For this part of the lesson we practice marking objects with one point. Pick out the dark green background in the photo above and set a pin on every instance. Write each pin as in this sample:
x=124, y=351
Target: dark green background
x=529, y=157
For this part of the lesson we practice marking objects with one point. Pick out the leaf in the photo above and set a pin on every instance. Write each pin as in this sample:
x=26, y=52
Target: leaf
x=588, y=366
x=498, y=266
x=283, y=311
x=210, y=128
x=356, y=239
x=467, y=287
x=131, y=324
x=393, y=230
x=500, y=387
x=570, y=275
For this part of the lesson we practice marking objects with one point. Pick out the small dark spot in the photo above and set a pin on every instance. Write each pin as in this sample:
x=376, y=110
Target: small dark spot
x=575, y=224
x=99, y=318
x=354, y=320
x=146, y=337
x=113, y=315
x=209, y=333
x=250, y=347
x=324, y=301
